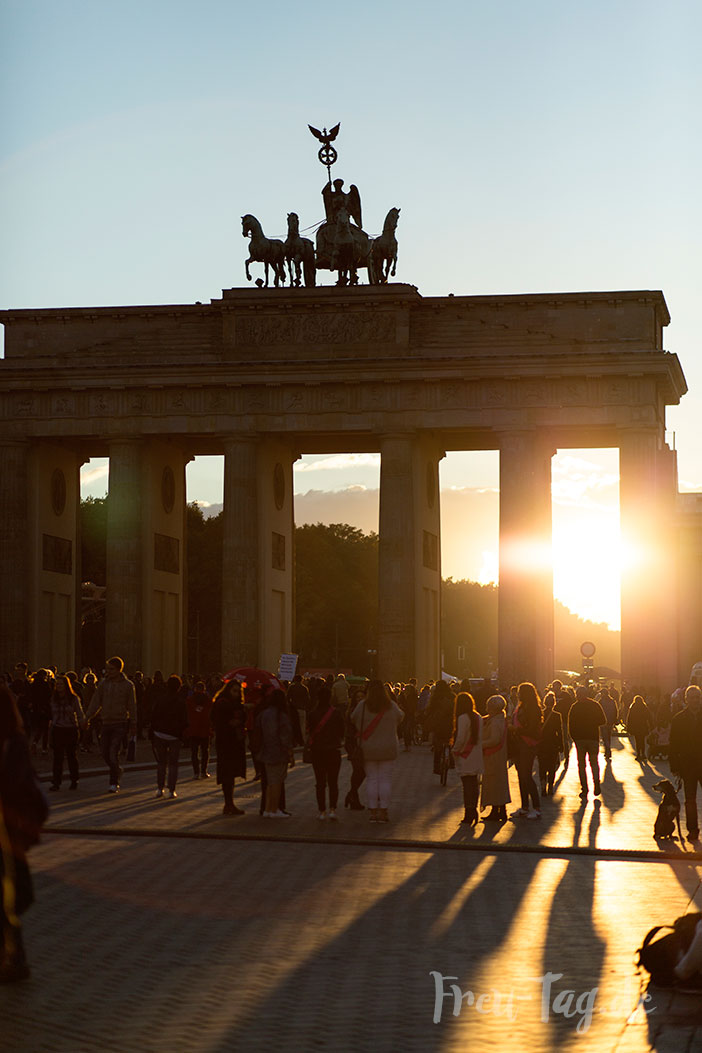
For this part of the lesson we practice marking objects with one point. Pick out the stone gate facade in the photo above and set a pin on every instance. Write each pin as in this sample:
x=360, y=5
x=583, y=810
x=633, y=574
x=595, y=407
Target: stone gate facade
x=264, y=376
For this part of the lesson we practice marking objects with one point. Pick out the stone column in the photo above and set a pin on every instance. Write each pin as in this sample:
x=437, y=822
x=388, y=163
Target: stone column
x=525, y=605
x=240, y=555
x=125, y=556
x=643, y=551
x=14, y=553
x=396, y=559
x=409, y=582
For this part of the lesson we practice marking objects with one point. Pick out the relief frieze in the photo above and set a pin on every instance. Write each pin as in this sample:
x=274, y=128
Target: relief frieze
x=573, y=392
x=25, y=406
x=361, y=327
x=100, y=405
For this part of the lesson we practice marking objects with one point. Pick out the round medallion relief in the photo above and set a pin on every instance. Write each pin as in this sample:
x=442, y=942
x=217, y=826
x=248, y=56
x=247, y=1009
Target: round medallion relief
x=168, y=489
x=58, y=491
x=431, y=484
x=279, y=486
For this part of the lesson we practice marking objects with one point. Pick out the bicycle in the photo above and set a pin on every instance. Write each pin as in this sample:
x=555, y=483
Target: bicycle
x=444, y=763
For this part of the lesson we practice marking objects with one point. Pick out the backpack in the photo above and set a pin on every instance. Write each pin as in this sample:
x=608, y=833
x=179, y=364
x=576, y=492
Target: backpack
x=659, y=957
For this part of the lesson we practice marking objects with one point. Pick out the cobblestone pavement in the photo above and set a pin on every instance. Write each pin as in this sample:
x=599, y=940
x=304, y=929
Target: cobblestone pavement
x=165, y=925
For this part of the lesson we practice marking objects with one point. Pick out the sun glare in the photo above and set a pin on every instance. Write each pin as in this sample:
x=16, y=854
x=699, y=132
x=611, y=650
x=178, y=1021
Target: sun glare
x=588, y=554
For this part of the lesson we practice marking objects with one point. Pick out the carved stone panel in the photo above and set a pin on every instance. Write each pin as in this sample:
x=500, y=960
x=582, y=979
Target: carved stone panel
x=358, y=327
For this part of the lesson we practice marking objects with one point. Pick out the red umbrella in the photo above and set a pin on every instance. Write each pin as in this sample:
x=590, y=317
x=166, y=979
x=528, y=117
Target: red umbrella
x=258, y=679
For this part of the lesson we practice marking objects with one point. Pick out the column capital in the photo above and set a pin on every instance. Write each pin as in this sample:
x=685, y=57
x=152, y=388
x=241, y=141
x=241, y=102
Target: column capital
x=514, y=439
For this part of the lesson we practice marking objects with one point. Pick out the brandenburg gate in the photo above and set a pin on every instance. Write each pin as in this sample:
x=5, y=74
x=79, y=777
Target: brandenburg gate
x=262, y=376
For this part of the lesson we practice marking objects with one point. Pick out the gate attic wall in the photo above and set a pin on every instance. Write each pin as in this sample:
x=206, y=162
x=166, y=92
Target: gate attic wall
x=264, y=376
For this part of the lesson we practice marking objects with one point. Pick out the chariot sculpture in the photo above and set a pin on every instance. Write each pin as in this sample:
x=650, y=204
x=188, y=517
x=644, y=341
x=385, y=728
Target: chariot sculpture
x=341, y=243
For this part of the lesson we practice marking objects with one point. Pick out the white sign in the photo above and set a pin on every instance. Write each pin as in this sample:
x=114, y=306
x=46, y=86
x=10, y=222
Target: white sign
x=287, y=666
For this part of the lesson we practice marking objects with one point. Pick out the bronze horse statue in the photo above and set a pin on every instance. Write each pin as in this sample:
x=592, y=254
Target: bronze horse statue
x=384, y=250
x=299, y=252
x=263, y=250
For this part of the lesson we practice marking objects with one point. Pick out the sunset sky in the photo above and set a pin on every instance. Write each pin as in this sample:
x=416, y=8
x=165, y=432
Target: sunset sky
x=548, y=146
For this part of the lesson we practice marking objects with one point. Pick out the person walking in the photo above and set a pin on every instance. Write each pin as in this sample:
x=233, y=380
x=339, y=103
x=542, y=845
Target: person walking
x=565, y=697
x=354, y=752
x=611, y=712
x=169, y=719
x=639, y=721
x=324, y=739
x=39, y=695
x=340, y=692
x=377, y=719
x=115, y=700
x=229, y=721
x=23, y=810
x=276, y=746
x=67, y=717
x=494, y=792
x=686, y=754
x=439, y=720
x=584, y=722
x=551, y=745
x=467, y=750
x=299, y=699
x=528, y=724
x=199, y=729
x=409, y=701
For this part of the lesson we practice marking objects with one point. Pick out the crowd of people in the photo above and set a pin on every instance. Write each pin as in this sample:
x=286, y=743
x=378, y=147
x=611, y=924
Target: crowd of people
x=482, y=731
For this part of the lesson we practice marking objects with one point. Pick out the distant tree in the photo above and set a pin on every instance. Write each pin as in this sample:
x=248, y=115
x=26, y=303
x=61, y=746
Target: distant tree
x=469, y=632
x=93, y=540
x=468, y=627
x=336, y=602
x=570, y=631
x=336, y=596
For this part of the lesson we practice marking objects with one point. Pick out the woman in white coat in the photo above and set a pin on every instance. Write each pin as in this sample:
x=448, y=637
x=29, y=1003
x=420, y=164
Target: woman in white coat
x=468, y=752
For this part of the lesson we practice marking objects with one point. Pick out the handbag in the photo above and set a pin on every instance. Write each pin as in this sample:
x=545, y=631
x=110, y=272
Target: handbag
x=355, y=754
x=512, y=744
x=307, y=748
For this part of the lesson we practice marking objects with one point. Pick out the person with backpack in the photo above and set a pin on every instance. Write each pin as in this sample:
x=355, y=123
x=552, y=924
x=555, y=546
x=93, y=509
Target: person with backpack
x=23, y=811
x=169, y=720
x=199, y=729
x=686, y=754
x=327, y=725
x=585, y=719
x=67, y=718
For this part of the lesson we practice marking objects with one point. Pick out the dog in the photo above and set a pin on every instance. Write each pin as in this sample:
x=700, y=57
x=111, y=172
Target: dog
x=668, y=811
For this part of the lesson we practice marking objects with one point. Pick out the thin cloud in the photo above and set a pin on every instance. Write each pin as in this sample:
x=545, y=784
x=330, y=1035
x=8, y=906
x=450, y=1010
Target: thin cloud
x=470, y=489
x=582, y=483
x=339, y=462
x=93, y=475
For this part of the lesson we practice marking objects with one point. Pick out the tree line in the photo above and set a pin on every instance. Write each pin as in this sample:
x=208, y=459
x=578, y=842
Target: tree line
x=336, y=602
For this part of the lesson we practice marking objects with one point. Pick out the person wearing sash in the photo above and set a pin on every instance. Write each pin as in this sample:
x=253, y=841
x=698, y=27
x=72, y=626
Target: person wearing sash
x=327, y=726
x=468, y=752
x=528, y=722
x=377, y=719
x=495, y=782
